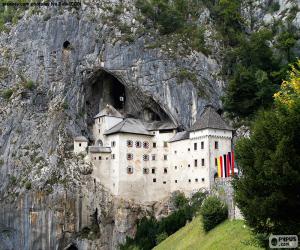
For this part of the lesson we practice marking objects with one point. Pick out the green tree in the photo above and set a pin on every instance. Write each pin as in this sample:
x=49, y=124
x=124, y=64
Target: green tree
x=213, y=212
x=268, y=191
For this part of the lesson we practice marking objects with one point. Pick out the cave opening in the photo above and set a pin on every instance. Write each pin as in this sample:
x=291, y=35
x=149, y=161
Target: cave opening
x=104, y=88
x=66, y=44
x=72, y=247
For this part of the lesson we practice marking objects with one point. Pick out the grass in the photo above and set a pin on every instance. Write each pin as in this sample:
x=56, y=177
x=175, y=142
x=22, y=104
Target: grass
x=228, y=235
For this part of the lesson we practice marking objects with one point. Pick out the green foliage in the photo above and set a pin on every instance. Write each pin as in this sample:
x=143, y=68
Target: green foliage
x=9, y=15
x=184, y=74
x=268, y=191
x=274, y=6
x=7, y=93
x=29, y=85
x=65, y=105
x=150, y=231
x=28, y=185
x=13, y=180
x=213, y=212
x=178, y=18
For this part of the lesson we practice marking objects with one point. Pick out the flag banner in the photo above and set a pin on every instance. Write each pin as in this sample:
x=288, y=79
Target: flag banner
x=232, y=162
x=225, y=166
x=229, y=159
x=221, y=166
x=228, y=165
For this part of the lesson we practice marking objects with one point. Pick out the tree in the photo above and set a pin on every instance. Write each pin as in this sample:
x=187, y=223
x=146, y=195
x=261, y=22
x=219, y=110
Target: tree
x=213, y=212
x=268, y=192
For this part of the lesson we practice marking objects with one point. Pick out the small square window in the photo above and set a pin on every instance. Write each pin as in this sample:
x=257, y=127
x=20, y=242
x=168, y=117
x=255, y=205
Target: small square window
x=146, y=144
x=79, y=144
x=216, y=162
x=202, y=162
x=153, y=157
x=153, y=170
x=165, y=144
x=216, y=145
x=175, y=181
x=99, y=131
x=189, y=165
x=202, y=145
x=203, y=179
x=145, y=170
x=99, y=158
x=189, y=180
x=146, y=157
x=189, y=149
x=196, y=180
x=154, y=144
x=175, y=167
x=154, y=180
x=195, y=163
x=129, y=156
x=164, y=182
x=165, y=170
x=113, y=144
x=129, y=170
x=165, y=157
x=195, y=146
x=129, y=143
x=138, y=144
x=175, y=152
x=113, y=156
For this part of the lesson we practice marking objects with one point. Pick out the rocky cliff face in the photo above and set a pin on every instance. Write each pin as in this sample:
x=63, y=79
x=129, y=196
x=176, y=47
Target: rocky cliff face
x=52, y=62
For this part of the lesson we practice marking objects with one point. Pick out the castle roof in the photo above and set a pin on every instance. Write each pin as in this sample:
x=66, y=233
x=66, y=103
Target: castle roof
x=81, y=138
x=210, y=119
x=180, y=136
x=159, y=125
x=129, y=125
x=109, y=111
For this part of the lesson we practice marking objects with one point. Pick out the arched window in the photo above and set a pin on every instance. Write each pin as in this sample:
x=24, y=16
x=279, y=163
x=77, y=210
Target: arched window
x=129, y=143
x=129, y=170
x=129, y=156
x=99, y=143
x=138, y=144
x=146, y=157
x=145, y=144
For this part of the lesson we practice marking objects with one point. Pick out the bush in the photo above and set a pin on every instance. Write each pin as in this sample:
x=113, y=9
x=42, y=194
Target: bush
x=28, y=185
x=161, y=237
x=6, y=94
x=29, y=85
x=213, y=211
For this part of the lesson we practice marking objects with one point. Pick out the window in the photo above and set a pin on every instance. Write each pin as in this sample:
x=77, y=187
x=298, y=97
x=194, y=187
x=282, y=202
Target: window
x=165, y=144
x=153, y=170
x=195, y=146
x=145, y=144
x=154, y=145
x=189, y=149
x=189, y=180
x=216, y=162
x=154, y=180
x=145, y=170
x=203, y=179
x=164, y=182
x=99, y=158
x=79, y=144
x=175, y=152
x=195, y=163
x=138, y=144
x=165, y=157
x=189, y=165
x=146, y=157
x=175, y=167
x=196, y=180
x=95, y=158
x=129, y=170
x=99, y=120
x=202, y=145
x=129, y=156
x=129, y=143
x=113, y=156
x=216, y=145
x=202, y=162
x=113, y=144
x=153, y=157
x=175, y=181
x=99, y=131
x=165, y=170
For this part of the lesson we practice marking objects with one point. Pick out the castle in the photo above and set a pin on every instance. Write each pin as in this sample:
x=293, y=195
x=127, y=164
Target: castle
x=146, y=161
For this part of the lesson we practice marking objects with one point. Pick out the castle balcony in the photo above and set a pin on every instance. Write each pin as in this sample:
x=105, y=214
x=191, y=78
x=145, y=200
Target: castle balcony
x=99, y=149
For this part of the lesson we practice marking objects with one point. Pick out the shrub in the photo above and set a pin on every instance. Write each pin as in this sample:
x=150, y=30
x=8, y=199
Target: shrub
x=29, y=85
x=6, y=94
x=28, y=185
x=213, y=211
x=161, y=237
x=179, y=200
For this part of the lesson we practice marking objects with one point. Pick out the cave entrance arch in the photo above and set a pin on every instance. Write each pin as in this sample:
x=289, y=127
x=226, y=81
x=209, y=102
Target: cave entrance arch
x=104, y=88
